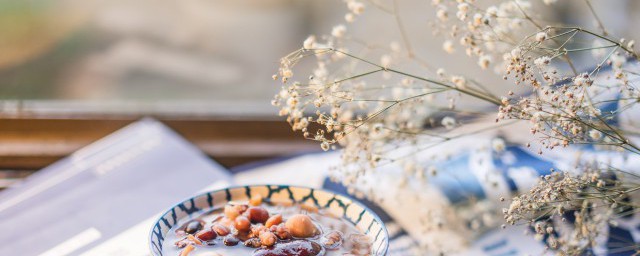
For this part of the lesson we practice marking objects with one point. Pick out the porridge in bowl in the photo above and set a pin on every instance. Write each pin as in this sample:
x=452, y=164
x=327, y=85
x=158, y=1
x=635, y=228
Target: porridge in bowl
x=266, y=227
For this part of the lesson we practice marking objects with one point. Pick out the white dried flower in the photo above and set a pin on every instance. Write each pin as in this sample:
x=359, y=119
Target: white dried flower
x=498, y=145
x=492, y=11
x=287, y=73
x=325, y=145
x=447, y=46
x=448, y=122
x=339, y=31
x=459, y=81
x=582, y=79
x=617, y=61
x=349, y=17
x=542, y=61
x=463, y=7
x=385, y=61
x=356, y=7
x=478, y=19
x=442, y=14
x=309, y=42
x=595, y=134
x=541, y=36
x=484, y=61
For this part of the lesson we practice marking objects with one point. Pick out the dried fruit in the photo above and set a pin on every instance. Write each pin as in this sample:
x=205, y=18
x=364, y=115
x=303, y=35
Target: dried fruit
x=187, y=250
x=332, y=240
x=182, y=243
x=193, y=239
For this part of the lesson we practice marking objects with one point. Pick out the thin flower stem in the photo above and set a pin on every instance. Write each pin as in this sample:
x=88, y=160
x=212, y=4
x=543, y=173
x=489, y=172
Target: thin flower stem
x=595, y=15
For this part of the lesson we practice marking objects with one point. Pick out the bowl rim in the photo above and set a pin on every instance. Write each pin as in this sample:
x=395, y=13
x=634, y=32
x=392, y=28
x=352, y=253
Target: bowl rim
x=384, y=250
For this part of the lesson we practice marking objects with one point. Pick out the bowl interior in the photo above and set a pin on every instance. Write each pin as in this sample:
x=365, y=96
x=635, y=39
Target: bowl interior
x=364, y=219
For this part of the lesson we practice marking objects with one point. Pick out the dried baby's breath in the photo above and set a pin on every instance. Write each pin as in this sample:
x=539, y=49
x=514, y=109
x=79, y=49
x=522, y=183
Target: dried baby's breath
x=383, y=103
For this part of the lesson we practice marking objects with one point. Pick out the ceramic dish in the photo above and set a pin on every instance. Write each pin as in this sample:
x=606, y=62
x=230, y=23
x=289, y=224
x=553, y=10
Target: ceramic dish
x=364, y=220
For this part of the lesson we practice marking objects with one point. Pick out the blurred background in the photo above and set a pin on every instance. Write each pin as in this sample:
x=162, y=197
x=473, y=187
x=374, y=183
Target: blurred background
x=73, y=71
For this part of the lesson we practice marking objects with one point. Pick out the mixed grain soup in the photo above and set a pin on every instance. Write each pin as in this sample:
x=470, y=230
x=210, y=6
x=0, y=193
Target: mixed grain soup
x=266, y=228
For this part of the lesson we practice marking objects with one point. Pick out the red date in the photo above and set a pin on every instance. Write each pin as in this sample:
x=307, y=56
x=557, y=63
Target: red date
x=295, y=248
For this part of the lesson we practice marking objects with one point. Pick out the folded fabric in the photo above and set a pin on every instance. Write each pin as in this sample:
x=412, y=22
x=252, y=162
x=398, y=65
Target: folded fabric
x=468, y=169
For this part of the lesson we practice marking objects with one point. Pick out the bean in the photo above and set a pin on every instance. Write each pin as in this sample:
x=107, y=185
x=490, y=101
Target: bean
x=273, y=220
x=258, y=214
x=193, y=227
x=268, y=238
x=206, y=235
x=220, y=229
x=242, y=223
x=301, y=226
x=230, y=241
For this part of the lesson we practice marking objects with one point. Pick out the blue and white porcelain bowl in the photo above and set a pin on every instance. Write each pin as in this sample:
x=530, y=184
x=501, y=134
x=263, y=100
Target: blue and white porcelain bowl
x=351, y=210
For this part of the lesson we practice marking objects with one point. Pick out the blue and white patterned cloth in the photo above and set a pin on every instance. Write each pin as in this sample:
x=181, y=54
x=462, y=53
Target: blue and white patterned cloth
x=458, y=179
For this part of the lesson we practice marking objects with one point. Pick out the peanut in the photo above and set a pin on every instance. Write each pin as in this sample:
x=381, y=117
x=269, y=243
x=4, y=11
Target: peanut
x=268, y=238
